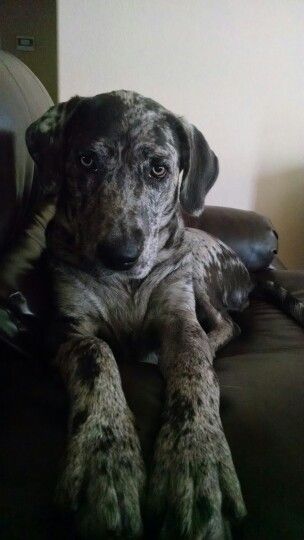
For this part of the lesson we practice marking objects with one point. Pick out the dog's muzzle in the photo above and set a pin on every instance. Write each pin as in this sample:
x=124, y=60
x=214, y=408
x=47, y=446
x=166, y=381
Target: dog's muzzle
x=120, y=254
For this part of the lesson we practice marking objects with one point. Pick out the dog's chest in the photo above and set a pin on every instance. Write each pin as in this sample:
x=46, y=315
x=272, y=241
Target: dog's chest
x=126, y=309
x=121, y=319
x=112, y=307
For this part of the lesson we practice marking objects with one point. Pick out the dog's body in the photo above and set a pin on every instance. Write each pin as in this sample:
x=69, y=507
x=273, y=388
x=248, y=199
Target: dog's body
x=129, y=279
x=116, y=308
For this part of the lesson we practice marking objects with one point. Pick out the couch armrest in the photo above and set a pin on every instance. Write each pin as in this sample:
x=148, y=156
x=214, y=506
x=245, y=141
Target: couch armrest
x=249, y=234
x=277, y=264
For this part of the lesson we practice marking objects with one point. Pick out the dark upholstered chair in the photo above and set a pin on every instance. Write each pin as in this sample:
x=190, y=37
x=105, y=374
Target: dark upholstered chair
x=261, y=372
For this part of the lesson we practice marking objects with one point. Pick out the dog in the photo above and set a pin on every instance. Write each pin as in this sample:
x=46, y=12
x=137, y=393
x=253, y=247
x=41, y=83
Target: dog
x=127, y=274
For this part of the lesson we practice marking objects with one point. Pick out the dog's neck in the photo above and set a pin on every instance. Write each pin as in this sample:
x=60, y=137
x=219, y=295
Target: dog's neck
x=170, y=234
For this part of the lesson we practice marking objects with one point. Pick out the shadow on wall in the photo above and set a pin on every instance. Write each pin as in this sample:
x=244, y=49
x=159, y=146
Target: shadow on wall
x=281, y=198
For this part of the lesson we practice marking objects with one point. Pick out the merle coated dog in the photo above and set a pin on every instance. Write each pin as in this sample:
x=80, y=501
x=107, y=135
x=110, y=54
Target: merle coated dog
x=127, y=271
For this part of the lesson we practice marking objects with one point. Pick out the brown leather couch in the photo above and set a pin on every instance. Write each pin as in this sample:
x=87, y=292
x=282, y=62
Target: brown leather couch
x=261, y=372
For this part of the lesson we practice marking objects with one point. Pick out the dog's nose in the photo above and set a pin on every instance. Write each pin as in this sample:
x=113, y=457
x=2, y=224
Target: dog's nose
x=120, y=254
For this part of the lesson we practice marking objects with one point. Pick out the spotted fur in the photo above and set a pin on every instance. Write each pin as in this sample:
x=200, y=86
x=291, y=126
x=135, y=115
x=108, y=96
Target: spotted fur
x=106, y=210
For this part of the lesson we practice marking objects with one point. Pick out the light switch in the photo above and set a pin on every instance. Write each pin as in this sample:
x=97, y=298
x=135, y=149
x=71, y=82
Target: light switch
x=25, y=43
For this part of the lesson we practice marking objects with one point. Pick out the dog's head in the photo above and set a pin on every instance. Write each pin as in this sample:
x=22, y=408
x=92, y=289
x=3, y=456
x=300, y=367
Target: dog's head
x=119, y=164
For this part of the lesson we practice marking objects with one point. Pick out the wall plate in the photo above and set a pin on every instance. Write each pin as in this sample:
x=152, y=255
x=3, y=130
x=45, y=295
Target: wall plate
x=25, y=43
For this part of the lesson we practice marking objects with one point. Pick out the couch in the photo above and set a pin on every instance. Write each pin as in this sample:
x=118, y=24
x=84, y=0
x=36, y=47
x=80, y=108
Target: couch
x=261, y=372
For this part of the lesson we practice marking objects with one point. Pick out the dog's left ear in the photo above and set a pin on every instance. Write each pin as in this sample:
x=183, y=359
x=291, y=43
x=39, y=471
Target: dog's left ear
x=200, y=169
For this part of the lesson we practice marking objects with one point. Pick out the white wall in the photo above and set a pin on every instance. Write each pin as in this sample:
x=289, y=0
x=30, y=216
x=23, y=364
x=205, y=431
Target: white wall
x=233, y=67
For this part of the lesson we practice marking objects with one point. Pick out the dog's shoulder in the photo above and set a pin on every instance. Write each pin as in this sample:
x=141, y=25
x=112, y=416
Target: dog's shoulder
x=218, y=270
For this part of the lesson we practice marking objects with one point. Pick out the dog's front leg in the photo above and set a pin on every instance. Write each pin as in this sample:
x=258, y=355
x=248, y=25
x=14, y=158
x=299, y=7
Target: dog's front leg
x=103, y=476
x=193, y=481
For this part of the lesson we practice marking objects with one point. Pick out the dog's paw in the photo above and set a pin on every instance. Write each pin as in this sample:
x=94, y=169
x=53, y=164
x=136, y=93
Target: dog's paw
x=193, y=484
x=218, y=339
x=103, y=482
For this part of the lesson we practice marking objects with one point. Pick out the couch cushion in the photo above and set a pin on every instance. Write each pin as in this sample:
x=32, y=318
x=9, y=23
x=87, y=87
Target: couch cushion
x=262, y=411
x=265, y=328
x=261, y=377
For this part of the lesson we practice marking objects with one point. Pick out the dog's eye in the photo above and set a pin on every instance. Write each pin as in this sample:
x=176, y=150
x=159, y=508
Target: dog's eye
x=87, y=160
x=158, y=171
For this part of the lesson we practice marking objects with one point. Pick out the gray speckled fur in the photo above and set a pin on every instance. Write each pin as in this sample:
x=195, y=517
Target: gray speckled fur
x=182, y=276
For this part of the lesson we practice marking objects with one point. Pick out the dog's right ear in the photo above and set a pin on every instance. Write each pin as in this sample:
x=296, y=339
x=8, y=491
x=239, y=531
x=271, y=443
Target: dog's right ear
x=44, y=140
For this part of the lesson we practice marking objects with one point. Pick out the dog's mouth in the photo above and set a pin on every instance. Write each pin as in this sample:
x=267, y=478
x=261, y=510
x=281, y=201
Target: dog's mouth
x=118, y=266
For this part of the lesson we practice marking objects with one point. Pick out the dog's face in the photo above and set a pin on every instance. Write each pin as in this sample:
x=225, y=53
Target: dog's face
x=115, y=162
